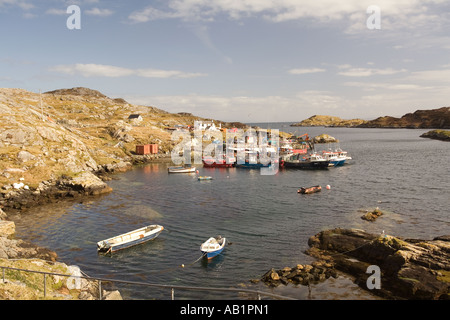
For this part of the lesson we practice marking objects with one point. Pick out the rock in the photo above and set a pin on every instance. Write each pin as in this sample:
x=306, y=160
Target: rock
x=87, y=183
x=112, y=295
x=409, y=268
x=372, y=215
x=7, y=228
x=324, y=138
x=25, y=156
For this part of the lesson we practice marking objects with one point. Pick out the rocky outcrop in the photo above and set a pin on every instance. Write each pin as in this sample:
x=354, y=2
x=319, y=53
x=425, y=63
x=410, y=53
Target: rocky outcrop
x=372, y=215
x=324, y=138
x=443, y=135
x=51, y=191
x=435, y=118
x=327, y=121
x=410, y=268
x=301, y=274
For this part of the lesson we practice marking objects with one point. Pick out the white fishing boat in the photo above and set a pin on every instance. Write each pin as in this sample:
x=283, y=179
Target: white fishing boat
x=129, y=239
x=181, y=169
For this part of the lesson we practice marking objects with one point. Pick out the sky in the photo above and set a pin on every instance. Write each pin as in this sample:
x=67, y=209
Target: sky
x=236, y=60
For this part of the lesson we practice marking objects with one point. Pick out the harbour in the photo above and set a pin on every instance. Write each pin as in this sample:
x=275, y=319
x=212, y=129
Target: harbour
x=265, y=220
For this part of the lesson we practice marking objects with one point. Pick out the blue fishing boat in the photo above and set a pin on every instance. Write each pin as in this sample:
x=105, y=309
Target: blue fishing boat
x=129, y=239
x=335, y=158
x=213, y=247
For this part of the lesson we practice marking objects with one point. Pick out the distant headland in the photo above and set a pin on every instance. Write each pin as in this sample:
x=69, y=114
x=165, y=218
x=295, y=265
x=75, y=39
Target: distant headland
x=420, y=119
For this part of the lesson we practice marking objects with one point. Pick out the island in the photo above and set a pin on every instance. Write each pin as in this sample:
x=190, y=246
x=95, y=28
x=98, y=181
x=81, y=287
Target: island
x=420, y=119
x=443, y=135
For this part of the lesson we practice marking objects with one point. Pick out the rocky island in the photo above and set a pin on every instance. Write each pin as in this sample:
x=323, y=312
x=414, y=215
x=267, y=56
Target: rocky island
x=443, y=135
x=328, y=121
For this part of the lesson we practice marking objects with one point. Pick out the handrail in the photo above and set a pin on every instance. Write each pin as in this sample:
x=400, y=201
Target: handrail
x=154, y=285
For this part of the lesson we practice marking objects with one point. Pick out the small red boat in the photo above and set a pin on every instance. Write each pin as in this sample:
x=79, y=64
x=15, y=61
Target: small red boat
x=210, y=162
x=309, y=190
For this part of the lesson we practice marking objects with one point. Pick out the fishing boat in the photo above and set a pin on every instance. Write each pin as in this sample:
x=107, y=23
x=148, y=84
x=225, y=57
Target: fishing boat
x=226, y=162
x=129, y=239
x=309, y=190
x=312, y=161
x=343, y=154
x=335, y=158
x=181, y=169
x=213, y=247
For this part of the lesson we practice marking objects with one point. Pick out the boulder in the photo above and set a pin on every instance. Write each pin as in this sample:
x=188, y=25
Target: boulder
x=324, y=138
x=7, y=228
x=86, y=183
x=372, y=215
x=25, y=156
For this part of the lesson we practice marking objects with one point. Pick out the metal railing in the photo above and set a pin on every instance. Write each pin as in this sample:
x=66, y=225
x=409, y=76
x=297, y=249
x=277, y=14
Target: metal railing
x=172, y=288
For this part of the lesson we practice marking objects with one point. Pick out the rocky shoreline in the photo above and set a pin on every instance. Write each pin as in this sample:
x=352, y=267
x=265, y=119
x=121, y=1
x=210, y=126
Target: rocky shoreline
x=409, y=268
x=15, y=198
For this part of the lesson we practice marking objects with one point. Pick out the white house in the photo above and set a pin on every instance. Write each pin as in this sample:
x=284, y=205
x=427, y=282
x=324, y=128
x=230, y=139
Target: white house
x=206, y=125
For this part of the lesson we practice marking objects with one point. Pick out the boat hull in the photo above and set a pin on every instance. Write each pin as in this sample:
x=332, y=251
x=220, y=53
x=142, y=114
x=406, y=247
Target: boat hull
x=210, y=255
x=309, y=190
x=213, y=247
x=337, y=163
x=130, y=239
x=181, y=170
x=306, y=164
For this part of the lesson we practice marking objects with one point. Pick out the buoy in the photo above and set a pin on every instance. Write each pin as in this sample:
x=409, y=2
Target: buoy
x=328, y=187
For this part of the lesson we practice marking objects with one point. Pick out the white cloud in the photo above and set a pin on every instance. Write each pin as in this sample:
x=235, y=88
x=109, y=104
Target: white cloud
x=99, y=12
x=100, y=70
x=367, y=72
x=305, y=71
x=25, y=5
x=284, y=10
x=56, y=11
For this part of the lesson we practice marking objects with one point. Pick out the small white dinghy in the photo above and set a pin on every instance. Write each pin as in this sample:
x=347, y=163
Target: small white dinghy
x=129, y=239
x=181, y=169
x=213, y=247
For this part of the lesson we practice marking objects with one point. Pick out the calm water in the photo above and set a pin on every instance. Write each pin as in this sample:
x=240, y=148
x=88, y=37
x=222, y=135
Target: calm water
x=266, y=222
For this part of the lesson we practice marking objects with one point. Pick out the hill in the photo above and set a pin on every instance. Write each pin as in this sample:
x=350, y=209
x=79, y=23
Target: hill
x=71, y=132
x=420, y=119
x=328, y=121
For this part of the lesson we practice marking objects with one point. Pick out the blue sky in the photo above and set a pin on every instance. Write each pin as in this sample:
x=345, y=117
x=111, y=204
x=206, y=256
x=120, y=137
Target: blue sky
x=236, y=60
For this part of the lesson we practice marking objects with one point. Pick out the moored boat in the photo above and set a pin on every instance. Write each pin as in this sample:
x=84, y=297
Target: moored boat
x=309, y=190
x=213, y=246
x=181, y=169
x=204, y=178
x=210, y=162
x=129, y=239
x=312, y=161
x=334, y=158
